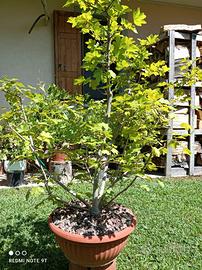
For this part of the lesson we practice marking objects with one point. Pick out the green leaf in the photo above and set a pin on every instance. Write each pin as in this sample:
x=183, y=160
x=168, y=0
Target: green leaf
x=161, y=184
x=139, y=17
x=36, y=191
x=122, y=65
x=128, y=25
x=105, y=152
x=186, y=126
x=79, y=80
x=156, y=152
x=45, y=136
x=186, y=151
x=145, y=187
x=150, y=40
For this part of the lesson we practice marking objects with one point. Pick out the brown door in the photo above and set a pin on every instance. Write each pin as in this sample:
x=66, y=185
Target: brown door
x=67, y=52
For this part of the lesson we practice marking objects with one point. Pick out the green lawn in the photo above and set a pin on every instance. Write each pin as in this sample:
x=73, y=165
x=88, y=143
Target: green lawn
x=168, y=235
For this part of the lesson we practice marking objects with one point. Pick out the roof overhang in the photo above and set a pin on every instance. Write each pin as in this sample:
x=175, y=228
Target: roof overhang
x=191, y=3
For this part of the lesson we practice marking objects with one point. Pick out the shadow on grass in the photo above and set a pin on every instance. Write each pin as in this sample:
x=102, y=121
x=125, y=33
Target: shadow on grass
x=34, y=237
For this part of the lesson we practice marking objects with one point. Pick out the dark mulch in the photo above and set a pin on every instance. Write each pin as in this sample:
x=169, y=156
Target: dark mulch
x=76, y=218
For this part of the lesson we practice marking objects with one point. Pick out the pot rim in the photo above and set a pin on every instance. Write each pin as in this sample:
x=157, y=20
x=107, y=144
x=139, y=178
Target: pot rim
x=92, y=239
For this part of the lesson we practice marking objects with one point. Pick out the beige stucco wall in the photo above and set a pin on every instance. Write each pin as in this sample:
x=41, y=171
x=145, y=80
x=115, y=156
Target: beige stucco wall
x=31, y=57
x=159, y=14
x=27, y=57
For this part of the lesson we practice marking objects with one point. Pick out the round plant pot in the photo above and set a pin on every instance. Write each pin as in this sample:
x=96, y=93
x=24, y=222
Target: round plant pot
x=91, y=253
x=59, y=156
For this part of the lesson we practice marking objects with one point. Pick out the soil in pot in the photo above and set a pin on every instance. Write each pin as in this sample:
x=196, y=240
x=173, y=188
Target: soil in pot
x=76, y=219
x=89, y=242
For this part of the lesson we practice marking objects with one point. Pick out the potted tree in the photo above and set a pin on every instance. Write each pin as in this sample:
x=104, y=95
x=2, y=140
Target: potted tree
x=125, y=129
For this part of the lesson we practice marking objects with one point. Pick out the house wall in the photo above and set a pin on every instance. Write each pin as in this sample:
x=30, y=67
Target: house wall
x=31, y=57
x=27, y=57
x=159, y=14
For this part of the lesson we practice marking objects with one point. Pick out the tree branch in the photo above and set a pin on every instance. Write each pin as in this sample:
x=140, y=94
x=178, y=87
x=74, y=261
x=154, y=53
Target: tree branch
x=135, y=178
x=72, y=193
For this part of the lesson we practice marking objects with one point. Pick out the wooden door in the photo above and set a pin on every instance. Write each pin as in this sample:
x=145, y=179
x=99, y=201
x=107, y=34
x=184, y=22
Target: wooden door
x=67, y=52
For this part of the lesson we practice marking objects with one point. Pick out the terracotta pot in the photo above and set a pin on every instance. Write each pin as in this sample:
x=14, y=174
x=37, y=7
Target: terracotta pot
x=88, y=253
x=59, y=156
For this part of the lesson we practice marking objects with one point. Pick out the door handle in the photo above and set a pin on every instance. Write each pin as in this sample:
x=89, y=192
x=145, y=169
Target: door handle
x=62, y=67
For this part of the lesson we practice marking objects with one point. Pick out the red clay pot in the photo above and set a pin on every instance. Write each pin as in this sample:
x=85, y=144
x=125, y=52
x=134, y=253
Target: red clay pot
x=59, y=156
x=91, y=253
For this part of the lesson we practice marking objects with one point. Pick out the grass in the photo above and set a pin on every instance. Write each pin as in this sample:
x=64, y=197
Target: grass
x=168, y=235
